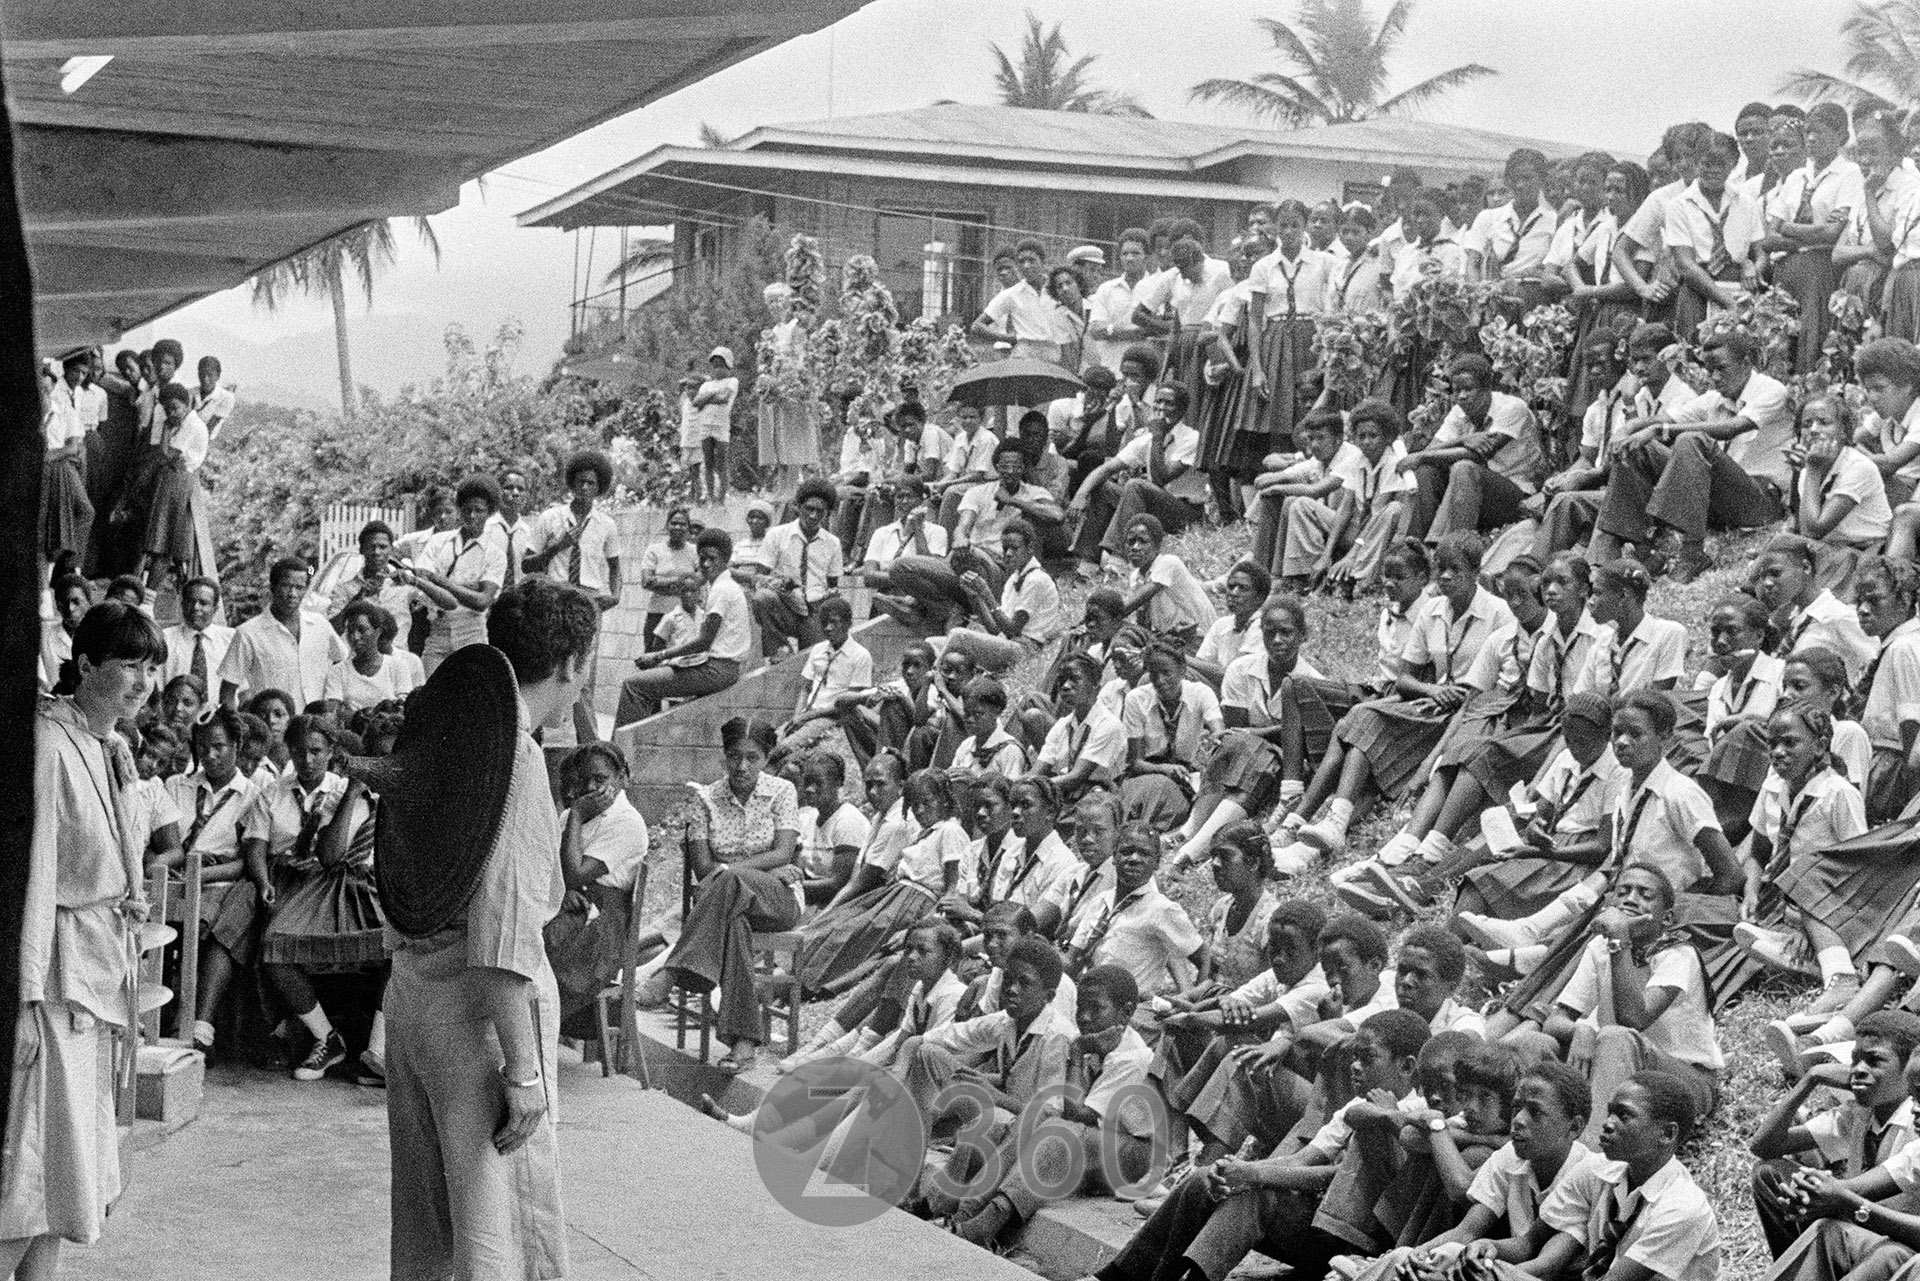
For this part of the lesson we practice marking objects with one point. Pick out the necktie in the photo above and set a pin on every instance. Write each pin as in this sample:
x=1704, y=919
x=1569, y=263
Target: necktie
x=1520, y=230
x=1291, y=276
x=1601, y=1252
x=1865, y=683
x=203, y=815
x=1792, y=639
x=1719, y=258
x=198, y=667
x=309, y=831
x=1624, y=833
x=1783, y=843
x=806, y=561
x=1870, y=1144
x=1618, y=656
x=573, y=556
x=513, y=560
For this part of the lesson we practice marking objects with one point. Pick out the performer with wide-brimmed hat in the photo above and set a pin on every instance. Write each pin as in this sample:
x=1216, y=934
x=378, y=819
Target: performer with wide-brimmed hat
x=468, y=860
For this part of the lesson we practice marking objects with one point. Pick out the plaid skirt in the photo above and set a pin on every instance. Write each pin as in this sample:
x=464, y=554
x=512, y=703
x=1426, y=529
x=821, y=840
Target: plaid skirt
x=1320, y=704
x=1247, y=764
x=1395, y=735
x=1286, y=354
x=1515, y=756
x=1859, y=888
x=1517, y=887
x=1483, y=720
x=1900, y=303
x=1889, y=791
x=66, y=515
x=236, y=926
x=1739, y=758
x=836, y=942
x=332, y=921
x=1707, y=921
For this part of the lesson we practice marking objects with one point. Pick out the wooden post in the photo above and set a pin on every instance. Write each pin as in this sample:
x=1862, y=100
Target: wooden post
x=21, y=455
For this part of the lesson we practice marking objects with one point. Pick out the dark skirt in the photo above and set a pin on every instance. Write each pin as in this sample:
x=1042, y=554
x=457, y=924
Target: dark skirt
x=1395, y=735
x=1739, y=758
x=1483, y=720
x=1187, y=364
x=1594, y=319
x=1900, y=306
x=1517, y=887
x=1809, y=276
x=1889, y=790
x=66, y=514
x=1286, y=355
x=1707, y=921
x=170, y=519
x=1320, y=703
x=331, y=921
x=585, y=951
x=835, y=943
x=1859, y=888
x=237, y=923
x=1533, y=996
x=1227, y=407
x=1514, y=756
x=1157, y=800
x=1247, y=764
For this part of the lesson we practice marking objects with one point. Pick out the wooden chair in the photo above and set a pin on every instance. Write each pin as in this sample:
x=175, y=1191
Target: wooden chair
x=189, y=906
x=779, y=997
x=618, y=1039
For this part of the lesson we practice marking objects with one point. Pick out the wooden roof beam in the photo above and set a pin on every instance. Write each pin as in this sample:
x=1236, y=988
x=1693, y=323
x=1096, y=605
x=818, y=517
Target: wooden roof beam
x=224, y=28
x=72, y=179
x=71, y=271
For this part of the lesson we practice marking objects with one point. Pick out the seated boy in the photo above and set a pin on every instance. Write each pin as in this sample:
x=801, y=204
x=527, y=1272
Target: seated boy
x=1222, y=1211
x=888, y=715
x=836, y=678
x=1109, y=1107
x=1087, y=745
x=804, y=562
x=987, y=746
x=1136, y=926
x=1023, y=617
x=914, y=534
x=1308, y=512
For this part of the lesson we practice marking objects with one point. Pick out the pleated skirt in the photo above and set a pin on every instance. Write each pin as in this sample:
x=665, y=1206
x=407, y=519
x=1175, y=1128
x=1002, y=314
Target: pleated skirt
x=66, y=514
x=170, y=528
x=1395, y=735
x=839, y=940
x=1739, y=758
x=1320, y=704
x=1247, y=764
x=1900, y=306
x=1517, y=887
x=331, y=921
x=1482, y=721
x=1859, y=888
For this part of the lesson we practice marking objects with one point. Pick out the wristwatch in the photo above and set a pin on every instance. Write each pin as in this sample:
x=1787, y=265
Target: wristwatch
x=1436, y=1123
x=1863, y=1212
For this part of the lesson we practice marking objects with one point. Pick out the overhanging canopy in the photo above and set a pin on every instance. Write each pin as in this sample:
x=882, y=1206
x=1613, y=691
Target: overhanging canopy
x=226, y=135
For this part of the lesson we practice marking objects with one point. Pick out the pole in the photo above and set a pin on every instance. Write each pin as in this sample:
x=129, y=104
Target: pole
x=623, y=282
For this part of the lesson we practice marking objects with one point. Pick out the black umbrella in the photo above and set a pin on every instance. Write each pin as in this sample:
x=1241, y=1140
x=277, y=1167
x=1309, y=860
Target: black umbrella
x=1014, y=381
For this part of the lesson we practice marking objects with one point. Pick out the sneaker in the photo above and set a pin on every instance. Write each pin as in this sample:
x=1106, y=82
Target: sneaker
x=324, y=1054
x=1787, y=952
x=1832, y=1032
x=1838, y=991
x=1405, y=891
x=1365, y=899
x=373, y=1070
x=203, y=1036
x=1352, y=871
x=1805, y=1022
x=1492, y=932
x=1902, y=955
x=1398, y=850
x=1783, y=1045
x=1293, y=858
x=1325, y=837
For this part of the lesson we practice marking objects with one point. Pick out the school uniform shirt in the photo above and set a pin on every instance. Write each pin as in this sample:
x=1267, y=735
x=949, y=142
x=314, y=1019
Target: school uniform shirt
x=1226, y=640
x=814, y=563
x=1893, y=697
x=1413, y=263
x=1827, y=811
x=514, y=539
x=1513, y=245
x=1721, y=233
x=1189, y=300
x=471, y=563
x=1112, y=305
x=1024, y=312
x=831, y=671
x=1145, y=718
x=1810, y=195
x=990, y=517
x=280, y=810
x=191, y=439
x=1557, y=660
x=1583, y=799
x=1294, y=286
x=1757, y=693
x=1851, y=475
x=1001, y=754
x=1229, y=310
x=1670, y=1228
x=1180, y=599
x=735, y=831
x=1584, y=240
x=1685, y=1029
x=1891, y=435
x=889, y=543
x=1182, y=448
x=1520, y=457
x=1021, y=1064
x=1503, y=662
x=1607, y=418
x=56, y=647
x=1100, y=738
x=265, y=655
x=1026, y=874
x=1849, y=1141
x=1066, y=997
x=1076, y=895
x=971, y=454
x=213, y=644
x=210, y=816
x=888, y=836
x=1508, y=1185
x=1761, y=453
x=659, y=561
x=1826, y=623
x=1300, y=1002
x=1146, y=933
x=933, y=446
x=1654, y=651
x=1248, y=684
x=1904, y=222
x=865, y=455
x=925, y=859
x=400, y=673
x=727, y=600
x=1658, y=823
x=1116, y=1083
x=617, y=838
x=1354, y=284
x=1331, y=1139
x=1447, y=644
x=845, y=827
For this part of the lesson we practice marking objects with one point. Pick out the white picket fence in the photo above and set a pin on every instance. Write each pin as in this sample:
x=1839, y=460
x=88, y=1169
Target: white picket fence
x=340, y=525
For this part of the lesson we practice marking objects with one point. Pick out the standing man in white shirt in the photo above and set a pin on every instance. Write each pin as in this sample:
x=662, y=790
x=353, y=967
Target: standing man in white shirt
x=586, y=544
x=509, y=525
x=1023, y=312
x=1110, y=329
x=282, y=647
x=460, y=572
x=197, y=645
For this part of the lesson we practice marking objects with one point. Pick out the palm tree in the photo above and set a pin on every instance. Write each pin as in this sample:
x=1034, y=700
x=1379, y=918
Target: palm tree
x=642, y=256
x=1048, y=77
x=321, y=271
x=1335, y=63
x=1883, y=57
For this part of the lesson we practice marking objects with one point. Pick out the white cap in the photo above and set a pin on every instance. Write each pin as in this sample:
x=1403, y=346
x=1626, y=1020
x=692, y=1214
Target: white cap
x=724, y=353
x=1093, y=255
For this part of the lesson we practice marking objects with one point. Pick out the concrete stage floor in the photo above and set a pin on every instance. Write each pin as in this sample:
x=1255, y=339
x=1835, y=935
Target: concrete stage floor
x=288, y=1182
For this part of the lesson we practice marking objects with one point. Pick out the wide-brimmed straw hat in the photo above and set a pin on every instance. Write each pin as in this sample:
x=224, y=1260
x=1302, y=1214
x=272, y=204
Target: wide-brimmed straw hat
x=443, y=792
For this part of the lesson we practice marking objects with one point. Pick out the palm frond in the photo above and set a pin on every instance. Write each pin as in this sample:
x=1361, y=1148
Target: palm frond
x=1818, y=86
x=1393, y=28
x=1293, y=47
x=641, y=255
x=1424, y=93
x=711, y=137
x=1269, y=96
x=1881, y=44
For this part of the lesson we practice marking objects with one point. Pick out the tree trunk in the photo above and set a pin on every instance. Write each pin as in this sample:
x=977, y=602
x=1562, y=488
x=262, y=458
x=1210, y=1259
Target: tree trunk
x=337, y=294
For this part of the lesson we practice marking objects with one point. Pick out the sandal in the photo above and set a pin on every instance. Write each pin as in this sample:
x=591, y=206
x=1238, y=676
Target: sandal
x=733, y=1063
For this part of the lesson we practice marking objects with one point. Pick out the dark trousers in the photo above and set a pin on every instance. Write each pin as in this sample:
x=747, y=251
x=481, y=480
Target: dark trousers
x=1190, y=1230
x=1567, y=522
x=1689, y=486
x=1465, y=495
x=1780, y=1226
x=716, y=942
x=779, y=620
x=642, y=692
x=1144, y=498
x=934, y=583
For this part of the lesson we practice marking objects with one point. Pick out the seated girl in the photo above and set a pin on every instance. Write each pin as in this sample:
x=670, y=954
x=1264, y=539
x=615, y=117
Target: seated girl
x=372, y=672
x=182, y=701
x=1842, y=498
x=988, y=747
x=991, y=796
x=1032, y=858
x=1076, y=894
x=1643, y=651
x=1380, y=745
x=1383, y=508
x=1884, y=593
x=886, y=897
x=1137, y=926
x=1243, y=776
x=1170, y=724
x=1818, y=675
x=275, y=707
x=1637, y=1001
x=1235, y=634
x=1739, y=702
x=1161, y=589
x=1087, y=746
x=832, y=832
x=1786, y=581
x=602, y=849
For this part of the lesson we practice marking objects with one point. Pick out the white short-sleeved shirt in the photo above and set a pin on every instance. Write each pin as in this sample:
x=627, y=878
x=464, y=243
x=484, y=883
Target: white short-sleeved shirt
x=660, y=561
x=1033, y=591
x=1413, y=263
x=1027, y=873
x=1076, y=895
x=1146, y=933
x=217, y=810
x=1448, y=643
x=618, y=839
x=471, y=564
x=1839, y=188
x=1182, y=448
x=1654, y=651
x=1840, y=1135
x=280, y=809
x=1121, y=1082
x=830, y=672
x=1852, y=475
x=1503, y=661
x=1658, y=823
x=1827, y=811
x=265, y=655
x=1349, y=466
x=1023, y=311
x=1300, y=1002
x=1190, y=300
x=1704, y=225
x=1521, y=458
x=216, y=639
x=933, y=446
x=1647, y=227
x=889, y=543
x=1512, y=245
x=971, y=454
x=1508, y=1185
x=1583, y=800
x=1764, y=403
x=1248, y=684
x=814, y=563
x=1292, y=286
x=1226, y=640
x=1685, y=1029
x=728, y=600
x=990, y=517
x=1100, y=738
x=1331, y=1139
x=396, y=678
x=845, y=827
x=923, y=860
x=1000, y=753
x=1180, y=600
x=888, y=836
x=1557, y=659
x=1145, y=718
x=1112, y=305
x=1894, y=697
x=1672, y=1233
x=1756, y=694
x=1829, y=623
x=715, y=418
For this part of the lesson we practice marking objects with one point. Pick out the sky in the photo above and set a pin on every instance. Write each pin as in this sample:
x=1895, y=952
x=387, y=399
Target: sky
x=1609, y=74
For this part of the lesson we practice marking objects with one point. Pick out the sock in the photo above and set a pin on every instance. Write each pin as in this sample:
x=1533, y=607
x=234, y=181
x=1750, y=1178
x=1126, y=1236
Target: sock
x=1340, y=814
x=203, y=1031
x=868, y=1039
x=1837, y=1028
x=829, y=1032
x=1195, y=846
x=1835, y=961
x=316, y=1021
x=1291, y=790
x=1434, y=847
x=1293, y=822
x=377, y=1036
